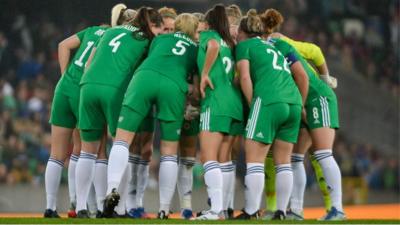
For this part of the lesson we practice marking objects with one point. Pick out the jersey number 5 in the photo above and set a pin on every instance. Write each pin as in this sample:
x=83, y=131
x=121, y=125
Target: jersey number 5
x=180, y=48
x=115, y=43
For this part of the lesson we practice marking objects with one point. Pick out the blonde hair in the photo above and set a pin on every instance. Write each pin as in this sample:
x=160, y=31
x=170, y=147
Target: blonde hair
x=166, y=12
x=251, y=24
x=271, y=19
x=233, y=11
x=187, y=23
x=200, y=16
x=120, y=14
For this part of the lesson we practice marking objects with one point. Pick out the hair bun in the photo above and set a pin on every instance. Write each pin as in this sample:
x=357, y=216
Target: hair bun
x=272, y=18
x=252, y=13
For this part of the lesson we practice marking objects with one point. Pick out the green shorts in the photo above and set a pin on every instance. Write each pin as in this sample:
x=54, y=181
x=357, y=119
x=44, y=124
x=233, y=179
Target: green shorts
x=148, y=88
x=99, y=107
x=64, y=111
x=133, y=121
x=148, y=123
x=322, y=112
x=274, y=121
x=190, y=127
x=223, y=124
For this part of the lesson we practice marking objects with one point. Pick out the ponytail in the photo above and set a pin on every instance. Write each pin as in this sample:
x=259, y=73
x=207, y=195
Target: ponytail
x=120, y=14
x=116, y=13
x=218, y=21
x=144, y=18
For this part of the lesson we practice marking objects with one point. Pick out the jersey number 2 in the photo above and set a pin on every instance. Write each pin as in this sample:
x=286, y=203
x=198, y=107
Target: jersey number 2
x=275, y=61
x=115, y=43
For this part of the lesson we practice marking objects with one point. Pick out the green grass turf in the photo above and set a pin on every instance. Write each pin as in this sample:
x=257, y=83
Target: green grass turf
x=174, y=221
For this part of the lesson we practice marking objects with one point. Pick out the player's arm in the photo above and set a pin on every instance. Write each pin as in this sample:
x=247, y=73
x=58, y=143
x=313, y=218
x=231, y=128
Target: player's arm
x=246, y=84
x=312, y=53
x=211, y=57
x=299, y=75
x=64, y=50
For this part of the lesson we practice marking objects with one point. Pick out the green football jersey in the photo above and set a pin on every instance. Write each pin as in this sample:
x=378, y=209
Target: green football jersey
x=73, y=73
x=316, y=86
x=270, y=74
x=172, y=55
x=118, y=53
x=225, y=99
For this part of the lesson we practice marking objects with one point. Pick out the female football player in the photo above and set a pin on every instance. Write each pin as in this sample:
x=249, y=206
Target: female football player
x=64, y=115
x=221, y=108
x=161, y=81
x=320, y=123
x=275, y=114
x=116, y=56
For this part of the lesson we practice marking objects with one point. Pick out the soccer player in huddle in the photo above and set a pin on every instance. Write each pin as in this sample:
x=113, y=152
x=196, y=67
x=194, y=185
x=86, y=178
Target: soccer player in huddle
x=220, y=120
x=153, y=84
x=65, y=116
x=320, y=124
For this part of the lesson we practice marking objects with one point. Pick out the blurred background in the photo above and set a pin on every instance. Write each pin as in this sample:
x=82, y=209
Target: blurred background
x=360, y=39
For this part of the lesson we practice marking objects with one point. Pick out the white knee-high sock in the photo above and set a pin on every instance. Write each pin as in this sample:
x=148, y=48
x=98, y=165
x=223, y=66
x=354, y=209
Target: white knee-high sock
x=185, y=181
x=213, y=180
x=91, y=200
x=254, y=184
x=167, y=178
x=228, y=174
x=231, y=204
x=117, y=163
x=84, y=178
x=123, y=191
x=332, y=176
x=71, y=178
x=132, y=182
x=52, y=181
x=283, y=185
x=299, y=182
x=100, y=182
x=142, y=179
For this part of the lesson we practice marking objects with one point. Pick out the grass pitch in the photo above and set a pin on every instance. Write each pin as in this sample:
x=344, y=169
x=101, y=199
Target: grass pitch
x=178, y=221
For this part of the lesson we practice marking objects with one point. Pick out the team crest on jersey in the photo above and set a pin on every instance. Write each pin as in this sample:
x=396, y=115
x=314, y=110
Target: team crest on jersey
x=120, y=119
x=100, y=32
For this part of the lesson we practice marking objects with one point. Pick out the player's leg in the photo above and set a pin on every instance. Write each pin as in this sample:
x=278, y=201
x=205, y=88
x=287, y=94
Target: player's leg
x=63, y=122
x=71, y=172
x=236, y=147
x=91, y=124
x=146, y=144
x=133, y=163
x=287, y=134
x=270, y=192
x=100, y=177
x=325, y=121
x=187, y=159
x=168, y=173
x=227, y=170
x=299, y=175
x=319, y=176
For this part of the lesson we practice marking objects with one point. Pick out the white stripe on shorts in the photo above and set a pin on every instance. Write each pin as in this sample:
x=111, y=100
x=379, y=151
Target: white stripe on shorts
x=254, y=118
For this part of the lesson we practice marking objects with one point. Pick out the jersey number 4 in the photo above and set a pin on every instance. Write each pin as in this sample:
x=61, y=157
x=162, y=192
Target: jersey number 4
x=115, y=43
